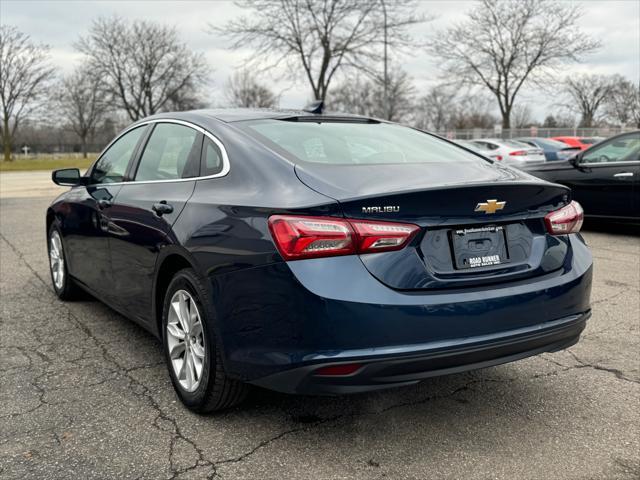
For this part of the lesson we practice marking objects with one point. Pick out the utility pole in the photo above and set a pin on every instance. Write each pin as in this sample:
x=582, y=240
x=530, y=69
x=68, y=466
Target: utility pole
x=386, y=73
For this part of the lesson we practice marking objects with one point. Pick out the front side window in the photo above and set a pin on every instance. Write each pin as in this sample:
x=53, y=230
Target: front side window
x=353, y=143
x=623, y=149
x=113, y=163
x=172, y=152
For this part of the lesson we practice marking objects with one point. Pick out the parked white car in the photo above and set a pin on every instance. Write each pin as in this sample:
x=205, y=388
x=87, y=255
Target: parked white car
x=484, y=151
x=513, y=153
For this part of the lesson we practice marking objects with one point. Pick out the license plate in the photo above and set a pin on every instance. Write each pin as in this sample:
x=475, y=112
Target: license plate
x=479, y=247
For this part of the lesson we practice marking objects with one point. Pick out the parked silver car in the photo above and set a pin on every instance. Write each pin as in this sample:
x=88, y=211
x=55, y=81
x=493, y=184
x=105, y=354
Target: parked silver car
x=484, y=151
x=513, y=153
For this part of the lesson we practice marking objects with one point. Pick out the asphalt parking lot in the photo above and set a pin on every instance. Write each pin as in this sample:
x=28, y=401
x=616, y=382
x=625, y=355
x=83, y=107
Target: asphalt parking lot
x=84, y=393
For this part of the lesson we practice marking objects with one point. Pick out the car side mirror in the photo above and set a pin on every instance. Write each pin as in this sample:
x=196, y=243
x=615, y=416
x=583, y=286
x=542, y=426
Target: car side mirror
x=575, y=160
x=67, y=177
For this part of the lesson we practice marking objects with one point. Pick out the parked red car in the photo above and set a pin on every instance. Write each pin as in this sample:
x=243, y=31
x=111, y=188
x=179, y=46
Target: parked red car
x=581, y=142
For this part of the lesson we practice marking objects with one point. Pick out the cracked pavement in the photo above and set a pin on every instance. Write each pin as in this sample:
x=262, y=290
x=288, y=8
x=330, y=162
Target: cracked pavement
x=84, y=393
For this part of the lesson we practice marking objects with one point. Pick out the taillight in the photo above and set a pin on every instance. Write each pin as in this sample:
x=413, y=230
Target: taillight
x=300, y=237
x=499, y=158
x=566, y=220
x=382, y=236
x=306, y=237
x=518, y=153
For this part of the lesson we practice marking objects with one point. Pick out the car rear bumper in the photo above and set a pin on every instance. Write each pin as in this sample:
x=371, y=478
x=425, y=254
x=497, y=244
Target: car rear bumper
x=278, y=323
x=429, y=360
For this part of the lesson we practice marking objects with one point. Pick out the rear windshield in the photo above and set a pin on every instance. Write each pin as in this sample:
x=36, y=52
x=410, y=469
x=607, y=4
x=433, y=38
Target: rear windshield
x=552, y=143
x=515, y=144
x=472, y=146
x=344, y=143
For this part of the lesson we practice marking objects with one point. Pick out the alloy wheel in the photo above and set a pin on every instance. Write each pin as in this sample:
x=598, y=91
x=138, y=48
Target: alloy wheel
x=185, y=340
x=56, y=260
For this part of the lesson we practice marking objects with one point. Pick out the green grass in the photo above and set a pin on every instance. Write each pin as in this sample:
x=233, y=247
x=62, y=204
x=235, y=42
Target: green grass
x=46, y=162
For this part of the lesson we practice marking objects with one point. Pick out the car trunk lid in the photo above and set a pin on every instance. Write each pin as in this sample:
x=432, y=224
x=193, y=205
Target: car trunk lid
x=480, y=223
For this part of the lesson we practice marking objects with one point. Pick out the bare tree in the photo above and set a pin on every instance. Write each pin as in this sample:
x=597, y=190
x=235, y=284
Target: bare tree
x=82, y=103
x=398, y=101
x=244, y=90
x=623, y=104
x=587, y=94
x=188, y=98
x=317, y=38
x=474, y=111
x=504, y=44
x=367, y=97
x=144, y=65
x=24, y=77
x=522, y=116
x=560, y=119
x=436, y=110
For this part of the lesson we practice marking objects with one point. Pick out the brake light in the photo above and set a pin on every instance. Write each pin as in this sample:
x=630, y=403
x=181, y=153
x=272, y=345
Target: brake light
x=499, y=158
x=298, y=237
x=381, y=236
x=566, y=220
x=518, y=153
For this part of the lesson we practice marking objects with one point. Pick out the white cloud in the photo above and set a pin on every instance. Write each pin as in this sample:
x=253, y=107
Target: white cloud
x=59, y=23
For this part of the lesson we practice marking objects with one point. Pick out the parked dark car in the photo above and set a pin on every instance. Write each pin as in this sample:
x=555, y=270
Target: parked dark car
x=318, y=254
x=605, y=178
x=553, y=149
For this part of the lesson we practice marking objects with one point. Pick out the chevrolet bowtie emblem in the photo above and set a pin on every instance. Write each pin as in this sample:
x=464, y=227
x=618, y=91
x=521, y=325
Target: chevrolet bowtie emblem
x=490, y=206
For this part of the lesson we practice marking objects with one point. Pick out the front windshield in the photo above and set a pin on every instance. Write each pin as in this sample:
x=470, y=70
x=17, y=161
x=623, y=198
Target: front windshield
x=349, y=143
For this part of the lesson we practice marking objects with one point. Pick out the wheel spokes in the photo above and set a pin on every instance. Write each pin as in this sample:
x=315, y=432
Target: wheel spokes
x=56, y=260
x=184, y=311
x=175, y=331
x=191, y=377
x=198, y=351
x=185, y=340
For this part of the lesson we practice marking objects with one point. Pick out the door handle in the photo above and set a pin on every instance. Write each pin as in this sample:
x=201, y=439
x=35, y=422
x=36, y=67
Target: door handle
x=162, y=208
x=102, y=204
x=623, y=174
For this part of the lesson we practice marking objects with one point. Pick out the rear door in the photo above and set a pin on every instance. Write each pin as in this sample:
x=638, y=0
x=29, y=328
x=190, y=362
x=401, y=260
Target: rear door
x=163, y=179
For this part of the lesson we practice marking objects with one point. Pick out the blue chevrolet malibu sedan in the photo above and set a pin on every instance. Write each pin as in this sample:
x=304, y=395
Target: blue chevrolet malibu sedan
x=318, y=254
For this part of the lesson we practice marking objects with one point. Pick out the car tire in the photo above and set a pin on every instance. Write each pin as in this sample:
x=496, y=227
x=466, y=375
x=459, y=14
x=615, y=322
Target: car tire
x=191, y=351
x=63, y=285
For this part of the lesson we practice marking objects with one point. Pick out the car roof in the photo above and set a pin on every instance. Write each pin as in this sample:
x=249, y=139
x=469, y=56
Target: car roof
x=243, y=114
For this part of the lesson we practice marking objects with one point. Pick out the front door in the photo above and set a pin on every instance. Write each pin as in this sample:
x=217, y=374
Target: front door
x=145, y=210
x=607, y=178
x=86, y=229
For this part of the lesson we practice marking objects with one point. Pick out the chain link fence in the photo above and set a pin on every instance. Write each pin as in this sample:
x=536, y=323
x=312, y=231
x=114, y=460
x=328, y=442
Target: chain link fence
x=64, y=145
x=498, y=132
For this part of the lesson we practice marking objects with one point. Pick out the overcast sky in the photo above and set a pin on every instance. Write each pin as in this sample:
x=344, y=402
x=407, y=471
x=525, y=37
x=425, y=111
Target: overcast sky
x=616, y=23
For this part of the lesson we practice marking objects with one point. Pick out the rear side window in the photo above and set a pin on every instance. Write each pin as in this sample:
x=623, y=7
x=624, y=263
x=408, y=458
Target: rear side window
x=345, y=143
x=211, y=158
x=172, y=152
x=113, y=164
